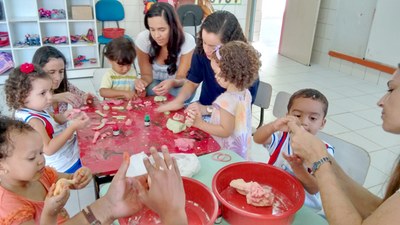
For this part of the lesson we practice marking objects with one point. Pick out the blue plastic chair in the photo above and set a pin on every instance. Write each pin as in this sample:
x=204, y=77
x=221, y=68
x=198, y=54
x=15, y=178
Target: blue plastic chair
x=108, y=11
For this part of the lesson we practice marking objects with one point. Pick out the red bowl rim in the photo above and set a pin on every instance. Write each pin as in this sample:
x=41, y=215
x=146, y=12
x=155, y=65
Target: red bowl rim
x=214, y=215
x=287, y=213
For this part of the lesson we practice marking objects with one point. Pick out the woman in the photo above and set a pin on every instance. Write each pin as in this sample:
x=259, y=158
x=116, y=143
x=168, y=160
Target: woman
x=217, y=29
x=164, y=52
x=53, y=62
x=345, y=201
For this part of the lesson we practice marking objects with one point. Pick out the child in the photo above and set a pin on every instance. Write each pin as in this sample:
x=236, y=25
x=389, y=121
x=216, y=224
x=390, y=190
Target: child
x=27, y=185
x=28, y=92
x=119, y=81
x=236, y=66
x=310, y=107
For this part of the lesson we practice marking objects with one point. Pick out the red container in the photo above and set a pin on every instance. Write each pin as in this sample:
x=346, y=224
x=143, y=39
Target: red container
x=201, y=207
x=113, y=32
x=288, y=191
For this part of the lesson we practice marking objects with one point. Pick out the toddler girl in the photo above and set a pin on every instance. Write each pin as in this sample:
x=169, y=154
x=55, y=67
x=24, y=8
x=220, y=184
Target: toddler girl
x=27, y=185
x=28, y=92
x=119, y=81
x=236, y=66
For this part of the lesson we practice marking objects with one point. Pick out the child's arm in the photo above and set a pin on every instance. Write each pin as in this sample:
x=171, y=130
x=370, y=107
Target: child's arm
x=111, y=93
x=224, y=129
x=307, y=180
x=53, y=204
x=263, y=134
x=52, y=145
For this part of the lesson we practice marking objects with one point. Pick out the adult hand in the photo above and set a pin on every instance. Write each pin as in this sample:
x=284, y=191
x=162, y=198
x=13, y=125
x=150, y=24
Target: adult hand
x=129, y=95
x=122, y=196
x=173, y=105
x=140, y=85
x=82, y=178
x=305, y=145
x=163, y=87
x=69, y=98
x=166, y=195
x=89, y=98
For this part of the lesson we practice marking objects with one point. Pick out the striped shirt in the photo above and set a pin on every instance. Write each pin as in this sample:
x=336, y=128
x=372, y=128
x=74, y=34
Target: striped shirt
x=116, y=81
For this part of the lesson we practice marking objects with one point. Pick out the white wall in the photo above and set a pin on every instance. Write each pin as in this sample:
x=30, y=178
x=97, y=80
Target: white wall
x=328, y=24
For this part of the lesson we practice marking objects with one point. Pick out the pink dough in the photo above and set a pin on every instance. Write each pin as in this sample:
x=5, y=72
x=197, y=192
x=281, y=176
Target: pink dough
x=256, y=194
x=184, y=144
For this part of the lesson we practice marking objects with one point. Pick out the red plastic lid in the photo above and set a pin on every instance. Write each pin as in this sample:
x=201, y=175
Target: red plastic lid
x=115, y=127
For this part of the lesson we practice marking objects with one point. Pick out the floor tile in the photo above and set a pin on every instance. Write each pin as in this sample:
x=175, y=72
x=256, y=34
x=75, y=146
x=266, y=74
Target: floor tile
x=383, y=160
x=351, y=121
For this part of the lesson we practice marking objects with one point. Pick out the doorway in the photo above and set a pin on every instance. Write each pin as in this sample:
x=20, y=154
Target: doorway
x=271, y=23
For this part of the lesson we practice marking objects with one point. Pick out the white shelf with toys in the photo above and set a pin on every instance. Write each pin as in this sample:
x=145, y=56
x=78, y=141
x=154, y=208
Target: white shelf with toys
x=68, y=25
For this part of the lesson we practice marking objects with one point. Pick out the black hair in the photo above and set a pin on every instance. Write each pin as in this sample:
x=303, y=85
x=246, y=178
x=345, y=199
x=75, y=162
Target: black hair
x=309, y=93
x=121, y=50
x=176, y=35
x=7, y=126
x=43, y=55
x=225, y=25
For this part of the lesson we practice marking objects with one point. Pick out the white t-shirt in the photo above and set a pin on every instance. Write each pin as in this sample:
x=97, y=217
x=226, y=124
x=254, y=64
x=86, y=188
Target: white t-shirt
x=142, y=41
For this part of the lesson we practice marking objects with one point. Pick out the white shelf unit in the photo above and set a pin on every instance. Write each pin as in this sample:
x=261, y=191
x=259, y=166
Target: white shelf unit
x=21, y=17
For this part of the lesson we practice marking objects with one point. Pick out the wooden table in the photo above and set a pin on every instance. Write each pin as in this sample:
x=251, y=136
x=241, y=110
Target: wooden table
x=104, y=156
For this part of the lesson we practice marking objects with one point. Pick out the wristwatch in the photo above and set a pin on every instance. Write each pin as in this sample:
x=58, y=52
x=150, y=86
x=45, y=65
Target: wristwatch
x=90, y=216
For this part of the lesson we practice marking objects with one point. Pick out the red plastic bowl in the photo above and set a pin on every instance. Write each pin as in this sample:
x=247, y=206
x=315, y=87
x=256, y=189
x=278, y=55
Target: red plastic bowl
x=288, y=191
x=113, y=32
x=201, y=206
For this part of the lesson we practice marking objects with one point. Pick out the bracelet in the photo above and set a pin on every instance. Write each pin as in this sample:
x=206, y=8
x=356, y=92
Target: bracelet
x=90, y=217
x=316, y=165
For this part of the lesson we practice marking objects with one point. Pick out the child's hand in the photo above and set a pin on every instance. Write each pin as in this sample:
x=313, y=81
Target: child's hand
x=53, y=205
x=294, y=161
x=163, y=87
x=71, y=114
x=280, y=124
x=140, y=85
x=193, y=114
x=130, y=95
x=81, y=121
x=81, y=178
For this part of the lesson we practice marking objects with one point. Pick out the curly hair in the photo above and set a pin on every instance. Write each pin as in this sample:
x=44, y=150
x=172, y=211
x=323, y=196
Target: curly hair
x=176, y=35
x=309, y=93
x=225, y=25
x=7, y=127
x=239, y=63
x=19, y=85
x=120, y=50
x=43, y=55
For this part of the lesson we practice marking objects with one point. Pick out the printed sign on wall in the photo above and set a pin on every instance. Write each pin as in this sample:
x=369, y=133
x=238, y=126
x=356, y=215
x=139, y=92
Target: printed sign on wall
x=226, y=2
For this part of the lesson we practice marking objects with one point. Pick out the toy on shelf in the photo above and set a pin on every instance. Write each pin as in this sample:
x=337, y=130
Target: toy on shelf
x=4, y=39
x=55, y=40
x=55, y=14
x=89, y=37
x=30, y=40
x=79, y=60
x=6, y=62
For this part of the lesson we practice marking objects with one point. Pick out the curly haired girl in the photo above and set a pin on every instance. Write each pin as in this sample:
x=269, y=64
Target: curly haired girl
x=28, y=92
x=27, y=187
x=236, y=66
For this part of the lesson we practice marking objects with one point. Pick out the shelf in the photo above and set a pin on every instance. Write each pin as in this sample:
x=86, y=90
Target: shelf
x=52, y=21
x=23, y=19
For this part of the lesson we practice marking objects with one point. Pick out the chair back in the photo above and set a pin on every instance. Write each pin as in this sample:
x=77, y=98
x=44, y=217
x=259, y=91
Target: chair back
x=190, y=14
x=263, y=97
x=109, y=10
x=353, y=159
x=280, y=104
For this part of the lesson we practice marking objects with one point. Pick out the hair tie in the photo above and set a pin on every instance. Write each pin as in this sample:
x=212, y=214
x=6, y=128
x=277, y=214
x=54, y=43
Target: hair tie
x=217, y=52
x=27, y=68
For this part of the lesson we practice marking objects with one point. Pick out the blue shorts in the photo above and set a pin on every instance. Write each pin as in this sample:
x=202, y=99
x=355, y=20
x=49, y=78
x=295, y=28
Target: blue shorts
x=74, y=167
